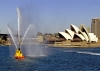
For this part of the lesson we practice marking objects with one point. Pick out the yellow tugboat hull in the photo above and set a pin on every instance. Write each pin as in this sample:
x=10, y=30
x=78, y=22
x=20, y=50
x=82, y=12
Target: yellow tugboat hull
x=19, y=55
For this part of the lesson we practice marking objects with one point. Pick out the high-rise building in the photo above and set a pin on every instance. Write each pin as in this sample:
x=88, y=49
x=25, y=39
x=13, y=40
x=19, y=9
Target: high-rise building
x=95, y=26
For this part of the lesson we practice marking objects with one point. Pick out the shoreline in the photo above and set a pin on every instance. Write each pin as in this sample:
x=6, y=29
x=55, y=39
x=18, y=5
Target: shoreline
x=72, y=46
x=91, y=45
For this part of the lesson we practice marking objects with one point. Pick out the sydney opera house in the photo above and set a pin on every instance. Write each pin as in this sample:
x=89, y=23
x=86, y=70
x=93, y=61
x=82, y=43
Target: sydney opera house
x=78, y=34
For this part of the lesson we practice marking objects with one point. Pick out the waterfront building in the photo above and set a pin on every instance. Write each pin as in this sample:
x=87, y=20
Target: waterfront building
x=95, y=27
x=40, y=39
x=76, y=34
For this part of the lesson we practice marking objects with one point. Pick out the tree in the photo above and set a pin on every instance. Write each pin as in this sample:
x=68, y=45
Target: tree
x=39, y=34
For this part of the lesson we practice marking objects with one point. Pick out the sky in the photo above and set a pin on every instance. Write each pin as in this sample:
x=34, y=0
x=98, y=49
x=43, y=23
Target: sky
x=48, y=16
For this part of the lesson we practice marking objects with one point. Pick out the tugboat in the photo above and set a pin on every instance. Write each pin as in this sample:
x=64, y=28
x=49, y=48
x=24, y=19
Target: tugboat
x=19, y=55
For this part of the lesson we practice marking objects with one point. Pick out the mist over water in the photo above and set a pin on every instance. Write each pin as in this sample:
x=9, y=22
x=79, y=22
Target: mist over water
x=27, y=37
x=32, y=14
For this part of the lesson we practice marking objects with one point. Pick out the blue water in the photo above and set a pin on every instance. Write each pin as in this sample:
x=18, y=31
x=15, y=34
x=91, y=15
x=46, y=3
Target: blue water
x=61, y=59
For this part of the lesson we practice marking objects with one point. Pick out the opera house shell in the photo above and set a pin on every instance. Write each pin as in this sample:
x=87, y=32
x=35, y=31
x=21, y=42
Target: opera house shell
x=75, y=32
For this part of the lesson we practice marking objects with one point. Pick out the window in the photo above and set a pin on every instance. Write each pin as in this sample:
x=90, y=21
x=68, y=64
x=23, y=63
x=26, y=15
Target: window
x=94, y=21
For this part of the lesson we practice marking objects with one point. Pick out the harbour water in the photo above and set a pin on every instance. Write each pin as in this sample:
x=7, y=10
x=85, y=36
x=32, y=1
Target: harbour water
x=60, y=59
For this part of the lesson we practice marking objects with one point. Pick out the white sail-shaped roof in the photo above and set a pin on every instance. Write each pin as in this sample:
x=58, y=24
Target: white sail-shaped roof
x=85, y=36
x=93, y=37
x=65, y=35
x=83, y=29
x=71, y=33
x=80, y=36
x=82, y=33
x=88, y=36
x=96, y=39
x=76, y=29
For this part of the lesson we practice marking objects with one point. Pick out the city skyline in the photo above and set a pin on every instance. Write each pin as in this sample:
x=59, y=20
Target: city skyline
x=49, y=15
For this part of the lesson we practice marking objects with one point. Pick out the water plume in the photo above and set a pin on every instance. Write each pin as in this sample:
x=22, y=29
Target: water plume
x=25, y=38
